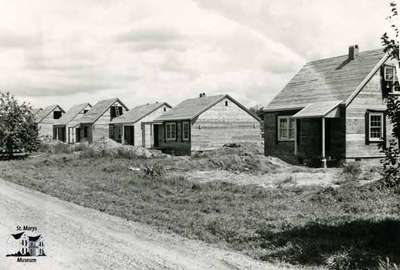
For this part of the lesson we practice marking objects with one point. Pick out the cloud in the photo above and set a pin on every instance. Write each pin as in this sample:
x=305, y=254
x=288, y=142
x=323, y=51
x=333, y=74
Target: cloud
x=146, y=50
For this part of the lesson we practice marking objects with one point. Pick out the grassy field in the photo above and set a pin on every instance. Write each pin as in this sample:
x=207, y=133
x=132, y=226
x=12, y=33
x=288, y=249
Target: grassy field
x=348, y=227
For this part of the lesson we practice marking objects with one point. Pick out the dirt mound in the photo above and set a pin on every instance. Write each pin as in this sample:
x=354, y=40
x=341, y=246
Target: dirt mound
x=236, y=158
x=106, y=146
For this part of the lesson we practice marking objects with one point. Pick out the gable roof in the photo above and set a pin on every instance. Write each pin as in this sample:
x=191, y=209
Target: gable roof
x=43, y=113
x=71, y=113
x=192, y=108
x=98, y=110
x=330, y=79
x=139, y=112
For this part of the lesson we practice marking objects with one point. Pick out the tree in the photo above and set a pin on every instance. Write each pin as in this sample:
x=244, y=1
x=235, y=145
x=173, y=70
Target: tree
x=18, y=130
x=391, y=162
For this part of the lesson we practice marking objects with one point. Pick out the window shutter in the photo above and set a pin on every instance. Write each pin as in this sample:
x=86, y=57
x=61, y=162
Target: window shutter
x=384, y=131
x=190, y=131
x=112, y=112
x=176, y=130
x=165, y=132
x=276, y=129
x=367, y=128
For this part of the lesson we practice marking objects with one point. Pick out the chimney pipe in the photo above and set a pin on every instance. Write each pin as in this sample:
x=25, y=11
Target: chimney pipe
x=353, y=52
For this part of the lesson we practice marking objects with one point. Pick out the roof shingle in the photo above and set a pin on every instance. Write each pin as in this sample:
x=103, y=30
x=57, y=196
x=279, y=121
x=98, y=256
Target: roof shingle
x=98, y=109
x=327, y=79
x=71, y=114
x=190, y=108
x=138, y=112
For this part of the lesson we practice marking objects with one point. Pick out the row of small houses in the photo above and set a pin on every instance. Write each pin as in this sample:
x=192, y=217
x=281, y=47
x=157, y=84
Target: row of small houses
x=333, y=109
x=196, y=124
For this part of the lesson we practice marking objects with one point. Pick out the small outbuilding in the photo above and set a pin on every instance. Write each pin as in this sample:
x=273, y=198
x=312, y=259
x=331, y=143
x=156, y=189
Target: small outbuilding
x=45, y=119
x=95, y=124
x=205, y=123
x=65, y=128
x=136, y=126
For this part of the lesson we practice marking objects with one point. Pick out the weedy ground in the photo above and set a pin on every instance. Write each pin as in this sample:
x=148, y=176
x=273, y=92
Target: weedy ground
x=342, y=226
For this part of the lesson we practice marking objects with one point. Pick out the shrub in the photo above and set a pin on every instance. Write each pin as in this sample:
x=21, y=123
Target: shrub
x=154, y=171
x=387, y=265
x=340, y=261
x=352, y=171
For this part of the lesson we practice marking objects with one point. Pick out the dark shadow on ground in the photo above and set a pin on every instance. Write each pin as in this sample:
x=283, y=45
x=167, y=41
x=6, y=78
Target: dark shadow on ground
x=358, y=244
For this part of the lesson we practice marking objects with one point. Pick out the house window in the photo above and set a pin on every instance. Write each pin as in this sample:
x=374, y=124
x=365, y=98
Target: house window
x=226, y=103
x=165, y=109
x=57, y=114
x=389, y=73
x=170, y=129
x=85, y=132
x=375, y=126
x=286, y=128
x=185, y=131
x=85, y=111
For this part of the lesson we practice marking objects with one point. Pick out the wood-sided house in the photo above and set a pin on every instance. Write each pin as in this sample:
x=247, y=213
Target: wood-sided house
x=64, y=129
x=205, y=123
x=95, y=124
x=136, y=126
x=45, y=119
x=332, y=109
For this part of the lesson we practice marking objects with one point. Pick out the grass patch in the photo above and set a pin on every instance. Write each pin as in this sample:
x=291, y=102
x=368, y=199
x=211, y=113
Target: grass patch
x=349, y=227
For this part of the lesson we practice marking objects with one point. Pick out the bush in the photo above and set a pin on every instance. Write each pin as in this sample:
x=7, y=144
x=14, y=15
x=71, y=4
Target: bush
x=352, y=171
x=154, y=171
x=387, y=265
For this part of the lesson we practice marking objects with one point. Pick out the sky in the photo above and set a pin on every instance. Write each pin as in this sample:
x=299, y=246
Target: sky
x=75, y=51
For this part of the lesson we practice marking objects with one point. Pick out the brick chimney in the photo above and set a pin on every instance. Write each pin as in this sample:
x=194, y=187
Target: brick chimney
x=353, y=52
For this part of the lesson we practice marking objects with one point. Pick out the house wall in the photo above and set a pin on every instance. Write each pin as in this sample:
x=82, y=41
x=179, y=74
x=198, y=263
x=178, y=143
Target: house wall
x=222, y=124
x=101, y=128
x=176, y=147
x=148, y=136
x=89, y=133
x=45, y=126
x=273, y=147
x=72, y=125
x=309, y=138
x=370, y=98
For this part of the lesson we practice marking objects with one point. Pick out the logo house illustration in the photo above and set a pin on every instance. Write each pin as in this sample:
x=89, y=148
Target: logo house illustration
x=28, y=246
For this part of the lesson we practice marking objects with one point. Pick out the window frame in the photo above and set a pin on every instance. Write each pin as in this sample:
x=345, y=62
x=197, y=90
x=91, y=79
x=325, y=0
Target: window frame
x=171, y=132
x=385, y=68
x=58, y=113
x=375, y=139
x=185, y=123
x=288, y=119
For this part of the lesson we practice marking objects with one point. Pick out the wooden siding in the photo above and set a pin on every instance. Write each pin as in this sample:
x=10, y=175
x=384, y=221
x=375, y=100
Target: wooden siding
x=222, y=124
x=101, y=128
x=71, y=126
x=273, y=147
x=370, y=98
x=176, y=147
x=309, y=138
x=46, y=125
x=145, y=124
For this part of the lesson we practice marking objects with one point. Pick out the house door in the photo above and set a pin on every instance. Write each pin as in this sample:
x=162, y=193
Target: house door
x=155, y=135
x=129, y=135
x=328, y=135
x=78, y=134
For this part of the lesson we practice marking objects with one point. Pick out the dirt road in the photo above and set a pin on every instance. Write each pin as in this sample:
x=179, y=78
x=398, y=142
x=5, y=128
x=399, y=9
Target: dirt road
x=81, y=238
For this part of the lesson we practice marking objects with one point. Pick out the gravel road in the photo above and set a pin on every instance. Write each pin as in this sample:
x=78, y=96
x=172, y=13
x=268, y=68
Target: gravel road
x=82, y=238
